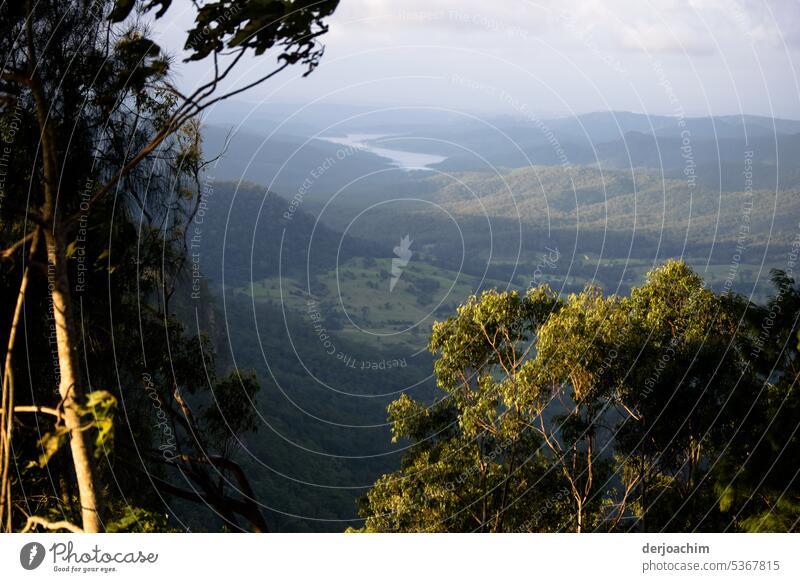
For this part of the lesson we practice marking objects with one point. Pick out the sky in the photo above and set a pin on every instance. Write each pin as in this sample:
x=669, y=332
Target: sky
x=520, y=57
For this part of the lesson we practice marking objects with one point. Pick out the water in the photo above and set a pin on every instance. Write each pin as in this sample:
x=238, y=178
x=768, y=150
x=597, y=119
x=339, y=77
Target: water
x=402, y=159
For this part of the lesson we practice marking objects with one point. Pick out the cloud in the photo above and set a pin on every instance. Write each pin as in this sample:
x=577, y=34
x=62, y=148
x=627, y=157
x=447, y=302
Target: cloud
x=666, y=26
x=696, y=28
x=449, y=16
x=703, y=27
x=768, y=21
x=652, y=38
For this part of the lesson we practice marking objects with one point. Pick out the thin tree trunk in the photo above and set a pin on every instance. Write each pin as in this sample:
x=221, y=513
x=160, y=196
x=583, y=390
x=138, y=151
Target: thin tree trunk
x=642, y=522
x=7, y=415
x=69, y=386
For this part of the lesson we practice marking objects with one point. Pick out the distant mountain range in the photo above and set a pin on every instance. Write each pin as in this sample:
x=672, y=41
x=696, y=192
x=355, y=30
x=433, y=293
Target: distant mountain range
x=620, y=182
x=714, y=150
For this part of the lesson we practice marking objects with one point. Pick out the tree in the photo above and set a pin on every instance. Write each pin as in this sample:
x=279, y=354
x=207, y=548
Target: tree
x=612, y=412
x=571, y=387
x=757, y=480
x=89, y=83
x=472, y=455
x=684, y=394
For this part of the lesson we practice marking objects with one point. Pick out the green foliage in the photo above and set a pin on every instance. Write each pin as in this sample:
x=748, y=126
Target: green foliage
x=101, y=406
x=97, y=414
x=260, y=25
x=756, y=479
x=234, y=408
x=50, y=443
x=128, y=519
x=781, y=517
x=471, y=457
x=637, y=400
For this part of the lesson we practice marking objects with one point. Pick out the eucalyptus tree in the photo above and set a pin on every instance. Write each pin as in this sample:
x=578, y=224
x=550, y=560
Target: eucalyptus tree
x=610, y=412
x=472, y=455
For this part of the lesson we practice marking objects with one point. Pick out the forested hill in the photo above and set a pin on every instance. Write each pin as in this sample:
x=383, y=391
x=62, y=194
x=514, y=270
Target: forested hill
x=322, y=435
x=243, y=229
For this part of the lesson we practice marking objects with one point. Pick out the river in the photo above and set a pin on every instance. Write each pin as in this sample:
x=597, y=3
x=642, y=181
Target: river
x=402, y=159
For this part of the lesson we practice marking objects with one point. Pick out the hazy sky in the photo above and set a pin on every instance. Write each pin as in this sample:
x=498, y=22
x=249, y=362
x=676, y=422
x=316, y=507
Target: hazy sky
x=515, y=56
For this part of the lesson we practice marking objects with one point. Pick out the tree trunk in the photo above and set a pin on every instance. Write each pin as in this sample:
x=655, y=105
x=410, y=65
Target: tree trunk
x=69, y=386
x=7, y=404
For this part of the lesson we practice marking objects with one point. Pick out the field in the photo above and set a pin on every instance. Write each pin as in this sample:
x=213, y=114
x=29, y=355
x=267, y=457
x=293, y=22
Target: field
x=356, y=300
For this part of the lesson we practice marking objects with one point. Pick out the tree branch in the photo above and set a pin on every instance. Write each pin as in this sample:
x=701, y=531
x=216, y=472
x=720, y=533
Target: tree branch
x=34, y=520
x=36, y=409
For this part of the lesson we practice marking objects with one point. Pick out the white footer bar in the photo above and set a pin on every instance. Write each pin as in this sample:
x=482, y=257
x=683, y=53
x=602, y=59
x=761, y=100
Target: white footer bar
x=354, y=557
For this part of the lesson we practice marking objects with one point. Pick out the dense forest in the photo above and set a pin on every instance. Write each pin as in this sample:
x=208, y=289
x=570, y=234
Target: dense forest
x=317, y=340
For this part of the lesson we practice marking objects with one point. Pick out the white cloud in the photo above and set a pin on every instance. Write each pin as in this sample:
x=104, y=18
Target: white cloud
x=694, y=27
x=656, y=39
x=423, y=17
